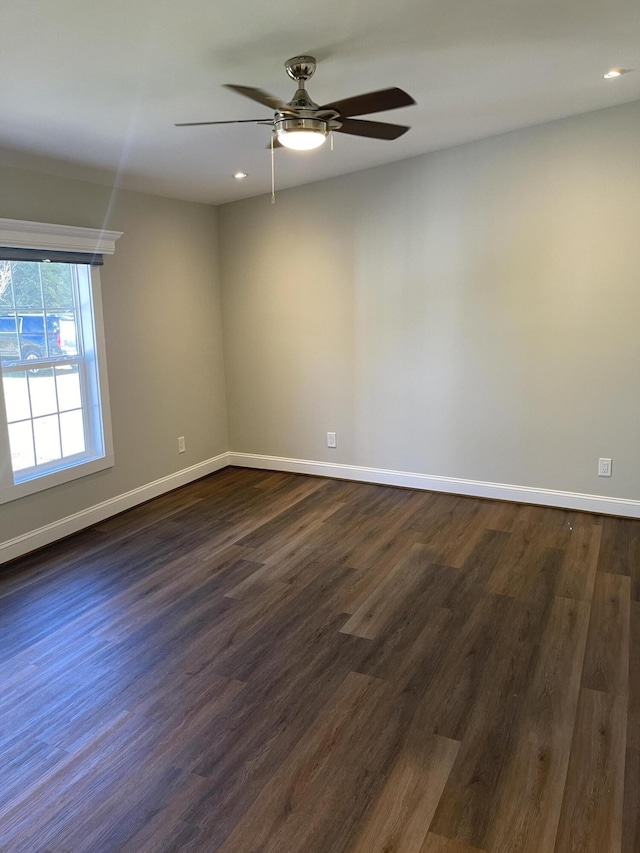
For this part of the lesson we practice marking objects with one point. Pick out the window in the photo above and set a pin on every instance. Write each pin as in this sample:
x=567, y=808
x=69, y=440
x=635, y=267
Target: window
x=53, y=396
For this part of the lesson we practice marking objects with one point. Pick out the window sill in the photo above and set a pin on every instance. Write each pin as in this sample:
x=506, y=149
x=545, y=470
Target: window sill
x=56, y=478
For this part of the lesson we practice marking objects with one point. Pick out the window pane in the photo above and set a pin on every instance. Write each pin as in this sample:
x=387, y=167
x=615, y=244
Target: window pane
x=68, y=384
x=47, y=436
x=26, y=285
x=39, y=334
x=72, y=430
x=6, y=284
x=21, y=441
x=68, y=340
x=51, y=337
x=32, y=338
x=56, y=286
x=9, y=341
x=42, y=386
x=16, y=396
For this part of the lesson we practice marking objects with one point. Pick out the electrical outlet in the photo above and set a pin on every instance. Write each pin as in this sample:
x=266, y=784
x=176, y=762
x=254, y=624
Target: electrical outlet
x=181, y=444
x=604, y=467
x=331, y=439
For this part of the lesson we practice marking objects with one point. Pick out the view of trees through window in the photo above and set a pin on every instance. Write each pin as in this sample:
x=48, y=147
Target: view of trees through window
x=24, y=284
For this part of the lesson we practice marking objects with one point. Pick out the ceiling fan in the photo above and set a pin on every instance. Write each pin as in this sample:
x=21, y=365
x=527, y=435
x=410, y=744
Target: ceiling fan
x=302, y=125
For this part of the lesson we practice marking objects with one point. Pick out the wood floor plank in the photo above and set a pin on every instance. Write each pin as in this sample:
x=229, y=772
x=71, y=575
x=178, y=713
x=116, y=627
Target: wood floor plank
x=302, y=514
x=533, y=530
x=581, y=560
x=455, y=541
x=478, y=568
x=448, y=704
x=591, y=816
x=633, y=714
x=374, y=559
x=631, y=805
x=33, y=817
x=532, y=784
x=264, y=726
x=151, y=597
x=290, y=628
x=620, y=551
x=306, y=797
x=400, y=819
x=606, y=663
x=438, y=844
x=412, y=650
x=510, y=570
x=592, y=809
x=444, y=517
x=295, y=567
x=534, y=601
x=470, y=797
x=386, y=599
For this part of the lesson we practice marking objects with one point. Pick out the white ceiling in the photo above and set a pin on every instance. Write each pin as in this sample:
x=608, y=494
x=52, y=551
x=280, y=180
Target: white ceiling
x=92, y=89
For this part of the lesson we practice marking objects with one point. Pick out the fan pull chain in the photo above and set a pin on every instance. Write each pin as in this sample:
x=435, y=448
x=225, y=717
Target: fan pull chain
x=273, y=173
x=331, y=140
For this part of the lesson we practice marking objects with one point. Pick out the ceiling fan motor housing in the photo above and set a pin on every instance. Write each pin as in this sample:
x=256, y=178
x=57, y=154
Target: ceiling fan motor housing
x=298, y=123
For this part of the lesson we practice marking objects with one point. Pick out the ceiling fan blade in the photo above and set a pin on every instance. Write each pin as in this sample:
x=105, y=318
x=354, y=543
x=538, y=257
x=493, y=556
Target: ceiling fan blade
x=261, y=97
x=372, y=129
x=372, y=102
x=233, y=121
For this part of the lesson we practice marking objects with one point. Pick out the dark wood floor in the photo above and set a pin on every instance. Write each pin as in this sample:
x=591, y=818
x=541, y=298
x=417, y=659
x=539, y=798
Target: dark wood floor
x=270, y=662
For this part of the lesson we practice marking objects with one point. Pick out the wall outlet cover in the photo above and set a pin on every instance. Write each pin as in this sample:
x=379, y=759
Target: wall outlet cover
x=604, y=467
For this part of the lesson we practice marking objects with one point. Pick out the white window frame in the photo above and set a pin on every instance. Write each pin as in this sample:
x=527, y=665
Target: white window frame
x=38, y=235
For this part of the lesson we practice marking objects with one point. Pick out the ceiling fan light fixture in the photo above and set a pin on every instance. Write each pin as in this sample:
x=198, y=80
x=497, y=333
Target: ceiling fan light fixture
x=301, y=134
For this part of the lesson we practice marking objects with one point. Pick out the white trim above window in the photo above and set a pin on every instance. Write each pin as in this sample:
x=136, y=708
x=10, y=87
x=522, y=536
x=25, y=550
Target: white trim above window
x=20, y=233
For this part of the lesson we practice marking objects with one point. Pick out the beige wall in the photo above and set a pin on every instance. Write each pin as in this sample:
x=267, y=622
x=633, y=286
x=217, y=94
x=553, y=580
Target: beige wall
x=161, y=307
x=472, y=313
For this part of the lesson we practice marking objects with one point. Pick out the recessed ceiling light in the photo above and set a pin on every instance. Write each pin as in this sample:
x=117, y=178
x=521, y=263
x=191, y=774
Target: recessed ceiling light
x=612, y=73
x=240, y=175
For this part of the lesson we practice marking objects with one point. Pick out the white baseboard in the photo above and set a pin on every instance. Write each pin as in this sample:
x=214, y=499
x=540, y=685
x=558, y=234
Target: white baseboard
x=21, y=545
x=13, y=548
x=452, y=485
